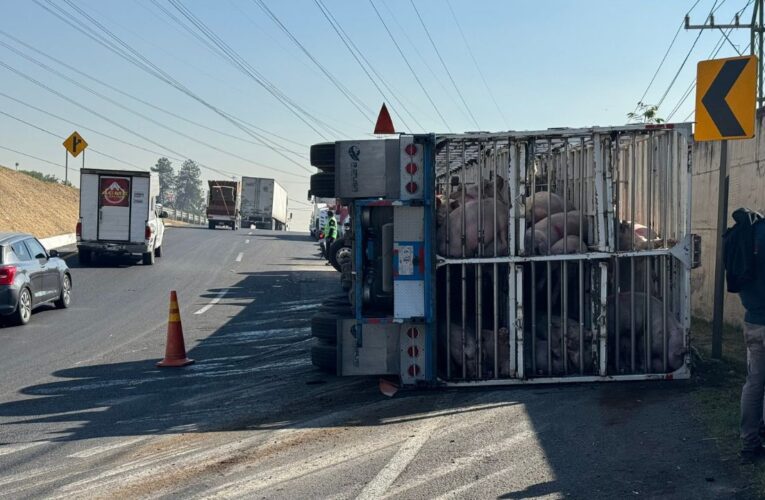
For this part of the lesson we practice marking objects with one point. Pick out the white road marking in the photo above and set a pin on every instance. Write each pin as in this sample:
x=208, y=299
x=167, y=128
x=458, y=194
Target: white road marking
x=246, y=242
x=213, y=301
x=13, y=448
x=239, y=257
x=104, y=448
x=377, y=487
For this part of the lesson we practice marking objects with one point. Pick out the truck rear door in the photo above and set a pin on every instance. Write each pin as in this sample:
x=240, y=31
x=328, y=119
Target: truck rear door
x=114, y=207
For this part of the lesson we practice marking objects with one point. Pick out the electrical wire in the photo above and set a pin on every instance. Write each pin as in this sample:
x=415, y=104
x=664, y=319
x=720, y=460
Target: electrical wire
x=443, y=64
x=478, y=67
x=38, y=158
x=394, y=94
x=124, y=50
x=414, y=73
x=361, y=65
x=353, y=99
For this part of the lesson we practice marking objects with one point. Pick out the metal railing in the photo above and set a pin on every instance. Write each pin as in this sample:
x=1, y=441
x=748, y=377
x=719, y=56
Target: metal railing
x=182, y=216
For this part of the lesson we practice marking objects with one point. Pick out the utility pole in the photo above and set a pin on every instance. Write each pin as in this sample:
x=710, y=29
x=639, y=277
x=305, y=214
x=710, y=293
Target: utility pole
x=756, y=49
x=756, y=29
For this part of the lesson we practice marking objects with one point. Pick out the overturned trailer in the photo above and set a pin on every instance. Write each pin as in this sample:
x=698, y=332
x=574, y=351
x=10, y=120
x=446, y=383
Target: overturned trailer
x=520, y=257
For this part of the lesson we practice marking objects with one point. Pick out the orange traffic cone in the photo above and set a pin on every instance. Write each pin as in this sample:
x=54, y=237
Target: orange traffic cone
x=175, y=351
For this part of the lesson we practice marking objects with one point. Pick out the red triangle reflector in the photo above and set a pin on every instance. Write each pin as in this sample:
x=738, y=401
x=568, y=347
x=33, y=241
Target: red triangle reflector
x=384, y=123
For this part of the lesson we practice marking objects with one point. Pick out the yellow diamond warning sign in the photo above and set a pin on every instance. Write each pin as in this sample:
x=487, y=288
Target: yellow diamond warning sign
x=75, y=144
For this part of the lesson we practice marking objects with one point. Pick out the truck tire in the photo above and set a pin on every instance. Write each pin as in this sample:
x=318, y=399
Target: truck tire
x=211, y=225
x=324, y=357
x=148, y=258
x=324, y=323
x=337, y=249
x=84, y=256
x=323, y=185
x=323, y=156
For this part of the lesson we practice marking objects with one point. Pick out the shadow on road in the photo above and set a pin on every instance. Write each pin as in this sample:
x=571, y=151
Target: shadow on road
x=254, y=372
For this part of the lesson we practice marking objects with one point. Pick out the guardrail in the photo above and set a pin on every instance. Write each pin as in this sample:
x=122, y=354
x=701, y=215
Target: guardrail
x=182, y=216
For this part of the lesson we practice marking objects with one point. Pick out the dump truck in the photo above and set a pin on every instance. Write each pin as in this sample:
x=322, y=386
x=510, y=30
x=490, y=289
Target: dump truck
x=264, y=204
x=119, y=214
x=224, y=202
x=560, y=255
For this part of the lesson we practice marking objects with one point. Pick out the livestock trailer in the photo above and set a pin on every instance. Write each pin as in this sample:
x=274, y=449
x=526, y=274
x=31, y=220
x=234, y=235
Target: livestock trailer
x=561, y=255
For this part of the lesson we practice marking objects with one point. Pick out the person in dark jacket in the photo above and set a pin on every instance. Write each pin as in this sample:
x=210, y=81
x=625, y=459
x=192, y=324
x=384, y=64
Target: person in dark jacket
x=752, y=294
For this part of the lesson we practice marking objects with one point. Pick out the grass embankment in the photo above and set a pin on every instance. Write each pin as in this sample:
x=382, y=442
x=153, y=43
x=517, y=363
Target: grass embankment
x=32, y=206
x=718, y=391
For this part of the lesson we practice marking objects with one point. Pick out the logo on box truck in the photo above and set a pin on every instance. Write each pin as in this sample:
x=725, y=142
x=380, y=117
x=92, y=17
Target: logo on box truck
x=114, y=192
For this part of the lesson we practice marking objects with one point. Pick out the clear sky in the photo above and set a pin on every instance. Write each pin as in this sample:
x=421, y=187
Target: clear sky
x=545, y=64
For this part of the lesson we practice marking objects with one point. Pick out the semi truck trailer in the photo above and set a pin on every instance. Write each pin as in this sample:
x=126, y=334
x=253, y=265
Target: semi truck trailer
x=264, y=204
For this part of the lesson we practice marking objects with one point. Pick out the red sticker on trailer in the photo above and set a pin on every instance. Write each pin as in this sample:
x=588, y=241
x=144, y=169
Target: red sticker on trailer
x=115, y=192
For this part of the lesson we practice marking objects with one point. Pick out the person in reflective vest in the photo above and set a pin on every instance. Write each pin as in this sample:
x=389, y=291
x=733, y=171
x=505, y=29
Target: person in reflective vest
x=330, y=232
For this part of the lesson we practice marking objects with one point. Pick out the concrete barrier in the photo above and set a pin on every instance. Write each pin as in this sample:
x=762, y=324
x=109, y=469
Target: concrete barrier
x=59, y=241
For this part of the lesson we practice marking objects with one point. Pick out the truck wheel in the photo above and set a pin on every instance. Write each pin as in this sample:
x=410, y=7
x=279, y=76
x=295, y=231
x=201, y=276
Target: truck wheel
x=323, y=156
x=211, y=225
x=84, y=256
x=324, y=325
x=158, y=251
x=323, y=185
x=324, y=357
x=337, y=252
x=148, y=258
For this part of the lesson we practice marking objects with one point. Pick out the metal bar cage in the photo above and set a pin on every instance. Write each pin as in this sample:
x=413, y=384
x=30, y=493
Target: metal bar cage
x=564, y=255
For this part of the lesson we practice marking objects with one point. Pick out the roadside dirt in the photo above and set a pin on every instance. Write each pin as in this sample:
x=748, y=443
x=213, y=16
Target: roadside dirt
x=41, y=208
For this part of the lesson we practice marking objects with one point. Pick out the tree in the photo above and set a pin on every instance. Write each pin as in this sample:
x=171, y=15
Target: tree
x=645, y=113
x=166, y=178
x=188, y=187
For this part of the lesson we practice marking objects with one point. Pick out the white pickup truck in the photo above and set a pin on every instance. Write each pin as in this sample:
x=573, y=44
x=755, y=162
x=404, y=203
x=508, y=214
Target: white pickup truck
x=119, y=214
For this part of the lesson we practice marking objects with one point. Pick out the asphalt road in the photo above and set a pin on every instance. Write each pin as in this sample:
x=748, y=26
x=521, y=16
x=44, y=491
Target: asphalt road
x=85, y=413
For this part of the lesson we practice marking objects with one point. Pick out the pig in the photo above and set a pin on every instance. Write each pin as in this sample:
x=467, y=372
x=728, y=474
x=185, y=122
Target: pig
x=470, y=211
x=537, y=237
x=471, y=192
x=573, y=352
x=538, y=208
x=675, y=334
x=471, y=352
x=570, y=244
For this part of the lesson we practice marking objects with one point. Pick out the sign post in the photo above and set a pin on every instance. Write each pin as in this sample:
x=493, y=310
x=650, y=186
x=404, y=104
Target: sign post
x=75, y=145
x=725, y=110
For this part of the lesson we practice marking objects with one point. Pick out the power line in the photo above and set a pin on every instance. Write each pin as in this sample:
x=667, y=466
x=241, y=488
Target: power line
x=414, y=73
x=229, y=54
x=38, y=158
x=663, y=59
x=443, y=63
x=133, y=111
x=478, y=67
x=346, y=38
x=685, y=60
x=353, y=99
x=363, y=67
x=92, y=150
x=136, y=58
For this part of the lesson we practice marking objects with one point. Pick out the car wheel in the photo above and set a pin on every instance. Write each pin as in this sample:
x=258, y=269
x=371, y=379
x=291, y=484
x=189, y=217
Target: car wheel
x=148, y=258
x=158, y=251
x=24, y=309
x=324, y=357
x=85, y=256
x=66, y=293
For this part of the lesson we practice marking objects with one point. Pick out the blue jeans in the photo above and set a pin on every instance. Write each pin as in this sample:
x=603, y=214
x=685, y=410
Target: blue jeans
x=753, y=393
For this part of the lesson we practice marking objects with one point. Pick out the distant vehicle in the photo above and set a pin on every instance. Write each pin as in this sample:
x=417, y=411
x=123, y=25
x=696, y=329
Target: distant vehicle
x=264, y=204
x=118, y=214
x=30, y=276
x=224, y=203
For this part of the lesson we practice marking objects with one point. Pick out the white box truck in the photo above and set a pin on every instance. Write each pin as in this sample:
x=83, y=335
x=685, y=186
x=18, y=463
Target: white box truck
x=119, y=214
x=264, y=203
